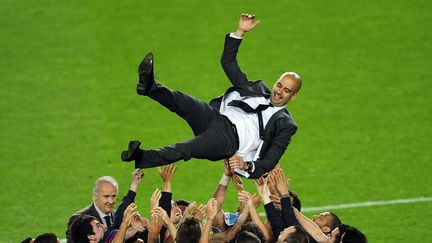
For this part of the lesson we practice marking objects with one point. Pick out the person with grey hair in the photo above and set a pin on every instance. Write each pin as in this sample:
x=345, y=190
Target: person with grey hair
x=104, y=198
x=249, y=124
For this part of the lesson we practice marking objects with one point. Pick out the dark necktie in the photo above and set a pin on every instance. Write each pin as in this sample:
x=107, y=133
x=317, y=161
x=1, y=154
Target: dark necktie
x=108, y=220
x=244, y=106
x=247, y=108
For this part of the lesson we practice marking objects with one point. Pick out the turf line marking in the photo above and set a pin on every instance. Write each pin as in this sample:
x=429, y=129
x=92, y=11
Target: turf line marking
x=363, y=204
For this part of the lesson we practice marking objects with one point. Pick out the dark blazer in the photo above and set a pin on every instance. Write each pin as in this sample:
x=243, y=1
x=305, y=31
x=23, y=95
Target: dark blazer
x=281, y=126
x=90, y=210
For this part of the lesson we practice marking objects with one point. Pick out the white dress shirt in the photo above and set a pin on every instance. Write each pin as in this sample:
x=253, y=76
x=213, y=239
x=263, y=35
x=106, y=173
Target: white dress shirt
x=102, y=215
x=247, y=124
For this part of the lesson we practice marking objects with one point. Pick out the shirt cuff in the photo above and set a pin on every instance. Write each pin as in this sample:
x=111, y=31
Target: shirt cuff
x=242, y=173
x=233, y=35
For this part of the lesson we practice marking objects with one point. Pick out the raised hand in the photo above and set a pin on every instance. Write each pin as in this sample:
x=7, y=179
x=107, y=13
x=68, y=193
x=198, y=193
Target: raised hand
x=282, y=184
x=245, y=198
x=271, y=180
x=167, y=174
x=246, y=23
x=263, y=189
x=211, y=208
x=236, y=162
x=227, y=169
x=155, y=225
x=160, y=211
x=238, y=183
x=137, y=175
x=154, y=201
x=256, y=200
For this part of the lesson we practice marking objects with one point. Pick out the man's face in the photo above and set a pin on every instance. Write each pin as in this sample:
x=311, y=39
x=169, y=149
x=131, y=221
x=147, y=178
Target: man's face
x=105, y=197
x=322, y=220
x=98, y=229
x=176, y=213
x=284, y=90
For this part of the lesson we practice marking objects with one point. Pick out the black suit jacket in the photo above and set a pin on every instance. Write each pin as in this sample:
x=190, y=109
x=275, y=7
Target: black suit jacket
x=281, y=126
x=90, y=210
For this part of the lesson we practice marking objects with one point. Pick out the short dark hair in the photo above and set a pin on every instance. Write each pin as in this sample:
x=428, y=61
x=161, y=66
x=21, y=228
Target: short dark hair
x=296, y=200
x=182, y=203
x=299, y=236
x=252, y=228
x=349, y=234
x=46, y=238
x=81, y=227
x=27, y=240
x=189, y=231
x=334, y=223
x=247, y=237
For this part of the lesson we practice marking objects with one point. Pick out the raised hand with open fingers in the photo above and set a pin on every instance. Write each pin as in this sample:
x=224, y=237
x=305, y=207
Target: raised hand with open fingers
x=156, y=196
x=247, y=22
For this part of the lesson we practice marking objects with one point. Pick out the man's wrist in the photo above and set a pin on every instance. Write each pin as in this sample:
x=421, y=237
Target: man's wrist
x=240, y=33
x=167, y=187
x=225, y=180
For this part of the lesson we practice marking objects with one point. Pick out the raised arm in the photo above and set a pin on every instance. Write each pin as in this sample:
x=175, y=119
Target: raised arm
x=137, y=176
x=282, y=185
x=220, y=194
x=229, y=63
x=211, y=210
x=311, y=228
x=248, y=199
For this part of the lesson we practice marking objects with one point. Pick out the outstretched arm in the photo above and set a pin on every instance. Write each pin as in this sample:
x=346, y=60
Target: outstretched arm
x=219, y=195
x=229, y=57
x=137, y=176
x=311, y=228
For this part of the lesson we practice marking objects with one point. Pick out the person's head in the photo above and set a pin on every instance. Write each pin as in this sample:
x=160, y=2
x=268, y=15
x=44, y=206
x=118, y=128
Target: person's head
x=176, y=213
x=327, y=221
x=295, y=200
x=246, y=237
x=182, y=204
x=347, y=234
x=105, y=193
x=285, y=88
x=189, y=231
x=251, y=227
x=27, y=240
x=47, y=238
x=293, y=234
x=86, y=227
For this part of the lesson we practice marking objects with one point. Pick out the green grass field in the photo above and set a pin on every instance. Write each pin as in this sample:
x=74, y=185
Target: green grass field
x=68, y=103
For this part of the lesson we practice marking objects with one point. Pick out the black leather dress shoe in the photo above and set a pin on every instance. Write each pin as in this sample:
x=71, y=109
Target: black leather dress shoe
x=130, y=154
x=145, y=74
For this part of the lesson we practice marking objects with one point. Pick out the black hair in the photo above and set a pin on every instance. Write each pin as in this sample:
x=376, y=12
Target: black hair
x=27, y=240
x=252, y=228
x=46, y=238
x=81, y=227
x=189, y=231
x=298, y=236
x=182, y=203
x=334, y=222
x=349, y=234
x=247, y=237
